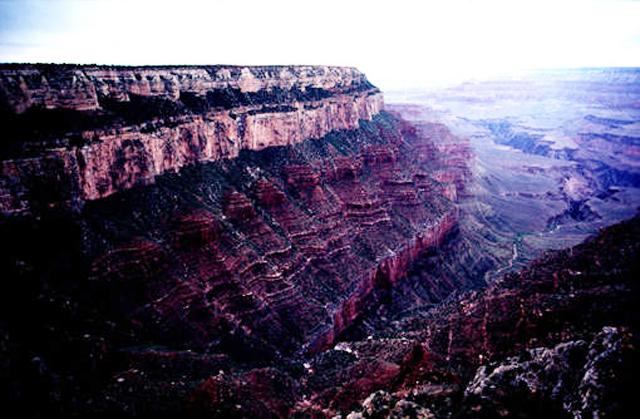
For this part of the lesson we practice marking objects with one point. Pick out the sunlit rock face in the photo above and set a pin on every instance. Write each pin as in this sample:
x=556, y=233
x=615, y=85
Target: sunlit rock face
x=189, y=231
x=283, y=247
x=83, y=87
x=107, y=129
x=289, y=200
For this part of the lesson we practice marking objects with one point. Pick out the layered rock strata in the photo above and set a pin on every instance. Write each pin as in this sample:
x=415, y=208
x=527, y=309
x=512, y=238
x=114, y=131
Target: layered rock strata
x=83, y=87
x=455, y=152
x=237, y=265
x=124, y=126
x=282, y=247
x=227, y=229
x=556, y=339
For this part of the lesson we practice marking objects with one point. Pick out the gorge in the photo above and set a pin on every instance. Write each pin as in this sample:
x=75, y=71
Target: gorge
x=220, y=241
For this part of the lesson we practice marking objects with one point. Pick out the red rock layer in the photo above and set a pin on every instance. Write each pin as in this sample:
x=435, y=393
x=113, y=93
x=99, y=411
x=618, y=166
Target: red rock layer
x=79, y=87
x=565, y=298
x=119, y=157
x=387, y=273
x=455, y=152
x=288, y=251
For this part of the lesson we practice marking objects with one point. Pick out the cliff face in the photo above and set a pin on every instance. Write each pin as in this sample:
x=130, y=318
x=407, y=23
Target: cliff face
x=559, y=335
x=178, y=222
x=269, y=242
x=128, y=125
x=260, y=260
x=83, y=87
x=282, y=247
x=555, y=340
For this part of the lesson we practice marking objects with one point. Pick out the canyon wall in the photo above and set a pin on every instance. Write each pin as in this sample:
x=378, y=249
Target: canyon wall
x=278, y=249
x=83, y=87
x=171, y=224
x=203, y=114
x=555, y=339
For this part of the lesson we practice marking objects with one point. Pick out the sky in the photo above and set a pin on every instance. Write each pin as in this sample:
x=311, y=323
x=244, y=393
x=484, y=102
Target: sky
x=396, y=43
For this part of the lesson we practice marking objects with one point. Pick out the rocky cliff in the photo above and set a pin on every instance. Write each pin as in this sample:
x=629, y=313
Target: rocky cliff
x=106, y=129
x=556, y=339
x=268, y=242
x=172, y=224
x=83, y=87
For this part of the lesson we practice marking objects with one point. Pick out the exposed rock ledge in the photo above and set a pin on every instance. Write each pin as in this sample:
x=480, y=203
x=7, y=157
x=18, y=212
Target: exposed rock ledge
x=269, y=106
x=82, y=87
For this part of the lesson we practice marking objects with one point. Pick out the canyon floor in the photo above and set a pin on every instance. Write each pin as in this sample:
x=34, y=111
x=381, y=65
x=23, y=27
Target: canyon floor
x=555, y=155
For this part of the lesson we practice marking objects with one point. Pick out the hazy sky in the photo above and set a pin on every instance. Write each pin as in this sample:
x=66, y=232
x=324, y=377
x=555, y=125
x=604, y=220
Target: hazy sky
x=395, y=42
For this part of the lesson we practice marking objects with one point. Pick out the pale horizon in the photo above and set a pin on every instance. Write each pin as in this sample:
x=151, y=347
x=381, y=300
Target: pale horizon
x=404, y=44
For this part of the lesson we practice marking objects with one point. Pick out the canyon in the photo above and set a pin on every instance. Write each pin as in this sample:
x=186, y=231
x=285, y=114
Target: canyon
x=253, y=226
x=555, y=155
x=278, y=242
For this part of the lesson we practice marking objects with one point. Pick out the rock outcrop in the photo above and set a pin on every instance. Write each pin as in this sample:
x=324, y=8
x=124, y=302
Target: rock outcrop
x=106, y=129
x=556, y=339
x=572, y=379
x=280, y=247
x=455, y=152
x=238, y=242
x=188, y=239
x=82, y=87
